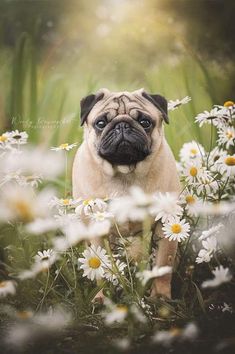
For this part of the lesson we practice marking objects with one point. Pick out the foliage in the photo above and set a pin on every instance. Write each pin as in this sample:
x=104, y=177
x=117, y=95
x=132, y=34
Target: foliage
x=47, y=261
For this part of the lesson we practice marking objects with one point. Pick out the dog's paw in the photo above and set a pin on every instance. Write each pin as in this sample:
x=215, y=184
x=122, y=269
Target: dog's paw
x=161, y=288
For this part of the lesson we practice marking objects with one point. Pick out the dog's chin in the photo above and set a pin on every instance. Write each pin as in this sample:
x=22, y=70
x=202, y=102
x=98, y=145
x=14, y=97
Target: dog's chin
x=124, y=154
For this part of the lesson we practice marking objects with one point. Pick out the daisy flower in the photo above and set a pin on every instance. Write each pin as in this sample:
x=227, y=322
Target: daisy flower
x=226, y=136
x=191, y=202
x=156, y=272
x=213, y=157
x=44, y=257
x=64, y=203
x=41, y=226
x=189, y=333
x=165, y=338
x=37, y=326
x=4, y=141
x=64, y=146
x=193, y=171
x=207, y=184
x=32, y=163
x=110, y=274
x=43, y=261
x=172, y=105
x=212, y=117
x=118, y=314
x=221, y=275
x=94, y=263
x=114, y=313
x=7, y=287
x=32, y=180
x=166, y=206
x=226, y=165
x=205, y=254
x=88, y=207
x=75, y=231
x=176, y=229
x=191, y=151
x=101, y=216
x=3, y=138
x=135, y=207
x=227, y=112
x=16, y=137
x=21, y=203
x=214, y=230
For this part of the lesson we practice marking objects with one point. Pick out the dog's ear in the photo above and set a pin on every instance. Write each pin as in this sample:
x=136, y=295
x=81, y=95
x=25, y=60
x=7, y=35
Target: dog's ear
x=87, y=103
x=160, y=102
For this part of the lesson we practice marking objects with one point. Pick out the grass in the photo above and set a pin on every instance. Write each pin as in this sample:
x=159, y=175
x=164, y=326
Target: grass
x=42, y=96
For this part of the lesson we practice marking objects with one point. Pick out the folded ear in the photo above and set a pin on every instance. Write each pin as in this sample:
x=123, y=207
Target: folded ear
x=87, y=103
x=160, y=102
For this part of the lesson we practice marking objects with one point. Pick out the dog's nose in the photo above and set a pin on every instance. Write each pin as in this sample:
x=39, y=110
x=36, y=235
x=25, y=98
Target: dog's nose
x=122, y=126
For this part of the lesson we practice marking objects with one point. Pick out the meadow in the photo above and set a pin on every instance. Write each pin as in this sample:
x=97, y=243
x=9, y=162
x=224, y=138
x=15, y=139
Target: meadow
x=49, y=275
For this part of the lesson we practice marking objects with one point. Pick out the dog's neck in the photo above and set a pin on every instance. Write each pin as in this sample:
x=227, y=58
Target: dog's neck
x=156, y=172
x=129, y=174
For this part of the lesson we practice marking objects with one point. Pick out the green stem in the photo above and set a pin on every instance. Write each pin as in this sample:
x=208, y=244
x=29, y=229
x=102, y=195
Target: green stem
x=74, y=271
x=126, y=256
x=66, y=174
x=109, y=251
x=45, y=291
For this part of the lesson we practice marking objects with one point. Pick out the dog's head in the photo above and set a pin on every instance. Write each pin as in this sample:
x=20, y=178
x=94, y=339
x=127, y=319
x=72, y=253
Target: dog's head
x=123, y=128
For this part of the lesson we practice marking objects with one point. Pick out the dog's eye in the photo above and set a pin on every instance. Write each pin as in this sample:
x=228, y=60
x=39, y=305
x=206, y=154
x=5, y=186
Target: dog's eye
x=145, y=122
x=101, y=123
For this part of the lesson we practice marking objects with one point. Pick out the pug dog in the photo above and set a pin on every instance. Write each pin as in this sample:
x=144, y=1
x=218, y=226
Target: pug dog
x=124, y=145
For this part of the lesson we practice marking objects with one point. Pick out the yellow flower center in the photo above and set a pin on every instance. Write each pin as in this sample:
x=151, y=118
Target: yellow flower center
x=3, y=284
x=65, y=201
x=175, y=331
x=193, y=151
x=230, y=161
x=94, y=262
x=193, y=171
x=24, y=315
x=190, y=199
x=3, y=138
x=176, y=228
x=228, y=103
x=229, y=135
x=64, y=146
x=122, y=308
x=87, y=201
x=30, y=178
x=164, y=312
x=23, y=210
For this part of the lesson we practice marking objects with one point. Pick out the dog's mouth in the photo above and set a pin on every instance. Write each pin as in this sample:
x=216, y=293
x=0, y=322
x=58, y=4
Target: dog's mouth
x=125, y=147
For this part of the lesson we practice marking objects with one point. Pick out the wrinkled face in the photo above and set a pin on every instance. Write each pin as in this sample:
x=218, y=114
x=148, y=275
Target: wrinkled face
x=123, y=127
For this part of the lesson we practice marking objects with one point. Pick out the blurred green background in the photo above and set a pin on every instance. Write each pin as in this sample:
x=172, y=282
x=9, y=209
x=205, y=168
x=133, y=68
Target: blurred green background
x=54, y=52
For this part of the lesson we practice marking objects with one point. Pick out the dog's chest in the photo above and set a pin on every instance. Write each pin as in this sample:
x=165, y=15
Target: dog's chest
x=120, y=184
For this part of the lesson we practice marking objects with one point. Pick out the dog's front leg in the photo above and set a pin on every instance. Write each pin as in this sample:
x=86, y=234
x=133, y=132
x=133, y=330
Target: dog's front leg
x=165, y=256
